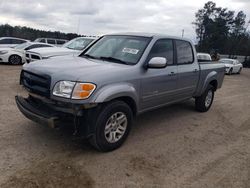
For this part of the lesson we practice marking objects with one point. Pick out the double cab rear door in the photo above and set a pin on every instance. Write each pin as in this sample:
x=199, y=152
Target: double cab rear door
x=175, y=82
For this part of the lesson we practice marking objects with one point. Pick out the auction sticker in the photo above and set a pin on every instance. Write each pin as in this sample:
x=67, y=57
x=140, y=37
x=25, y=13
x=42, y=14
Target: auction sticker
x=130, y=51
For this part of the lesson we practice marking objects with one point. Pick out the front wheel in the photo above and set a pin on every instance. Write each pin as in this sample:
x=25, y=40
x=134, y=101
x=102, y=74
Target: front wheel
x=204, y=102
x=15, y=60
x=239, y=71
x=113, y=125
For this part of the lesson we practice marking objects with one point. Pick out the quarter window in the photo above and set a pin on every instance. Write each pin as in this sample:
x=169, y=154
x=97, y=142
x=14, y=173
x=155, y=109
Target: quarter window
x=163, y=48
x=184, y=52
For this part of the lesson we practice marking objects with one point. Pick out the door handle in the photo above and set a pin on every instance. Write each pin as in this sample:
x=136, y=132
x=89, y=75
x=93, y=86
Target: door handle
x=195, y=70
x=172, y=74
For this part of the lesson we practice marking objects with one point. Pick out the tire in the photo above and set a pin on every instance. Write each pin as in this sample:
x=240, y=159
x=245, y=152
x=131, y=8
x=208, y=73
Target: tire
x=239, y=71
x=230, y=72
x=15, y=60
x=205, y=101
x=109, y=134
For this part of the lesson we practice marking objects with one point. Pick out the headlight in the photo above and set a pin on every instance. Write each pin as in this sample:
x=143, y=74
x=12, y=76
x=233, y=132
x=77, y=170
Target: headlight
x=74, y=90
x=3, y=52
x=63, y=89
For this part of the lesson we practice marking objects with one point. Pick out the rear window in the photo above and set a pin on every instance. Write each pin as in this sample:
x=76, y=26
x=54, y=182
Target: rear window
x=185, y=53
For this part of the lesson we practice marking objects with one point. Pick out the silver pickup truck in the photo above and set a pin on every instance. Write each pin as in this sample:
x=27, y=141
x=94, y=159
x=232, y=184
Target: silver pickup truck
x=115, y=79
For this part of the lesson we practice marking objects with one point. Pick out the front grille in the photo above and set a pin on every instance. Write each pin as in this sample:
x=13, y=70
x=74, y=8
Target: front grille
x=27, y=55
x=34, y=56
x=38, y=84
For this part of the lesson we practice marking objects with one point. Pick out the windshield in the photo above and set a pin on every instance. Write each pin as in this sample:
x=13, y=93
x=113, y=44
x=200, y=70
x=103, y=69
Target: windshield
x=78, y=43
x=22, y=46
x=225, y=61
x=119, y=49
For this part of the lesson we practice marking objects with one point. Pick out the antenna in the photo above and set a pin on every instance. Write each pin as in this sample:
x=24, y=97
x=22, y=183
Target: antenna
x=183, y=32
x=78, y=26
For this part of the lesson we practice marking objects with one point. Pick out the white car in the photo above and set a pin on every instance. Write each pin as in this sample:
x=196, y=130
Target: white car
x=232, y=66
x=16, y=55
x=6, y=42
x=203, y=57
x=74, y=46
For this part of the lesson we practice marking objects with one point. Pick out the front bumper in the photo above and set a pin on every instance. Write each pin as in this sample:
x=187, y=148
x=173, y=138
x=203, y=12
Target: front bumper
x=53, y=115
x=37, y=113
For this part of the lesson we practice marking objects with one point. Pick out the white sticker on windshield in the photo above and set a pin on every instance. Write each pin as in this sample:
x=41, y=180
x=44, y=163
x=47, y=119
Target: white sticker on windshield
x=130, y=51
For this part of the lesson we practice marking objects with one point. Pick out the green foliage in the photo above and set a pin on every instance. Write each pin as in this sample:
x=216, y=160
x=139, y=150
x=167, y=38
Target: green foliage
x=31, y=34
x=218, y=29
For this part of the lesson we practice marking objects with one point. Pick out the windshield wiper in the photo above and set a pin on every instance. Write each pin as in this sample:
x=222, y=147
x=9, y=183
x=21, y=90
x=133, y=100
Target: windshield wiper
x=89, y=56
x=114, y=60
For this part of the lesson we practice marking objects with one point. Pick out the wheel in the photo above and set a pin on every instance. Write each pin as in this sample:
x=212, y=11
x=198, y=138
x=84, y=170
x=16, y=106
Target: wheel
x=204, y=102
x=230, y=72
x=113, y=124
x=15, y=60
x=239, y=71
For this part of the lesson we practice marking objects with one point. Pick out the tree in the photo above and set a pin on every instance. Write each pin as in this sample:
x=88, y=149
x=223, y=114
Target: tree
x=213, y=25
x=31, y=34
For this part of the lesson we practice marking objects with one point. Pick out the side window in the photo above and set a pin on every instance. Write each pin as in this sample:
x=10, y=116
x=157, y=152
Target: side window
x=60, y=42
x=42, y=40
x=5, y=41
x=51, y=41
x=16, y=41
x=44, y=45
x=33, y=46
x=185, y=53
x=163, y=48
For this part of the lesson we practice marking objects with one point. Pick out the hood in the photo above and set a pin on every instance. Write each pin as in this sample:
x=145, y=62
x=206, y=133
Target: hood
x=52, y=51
x=78, y=69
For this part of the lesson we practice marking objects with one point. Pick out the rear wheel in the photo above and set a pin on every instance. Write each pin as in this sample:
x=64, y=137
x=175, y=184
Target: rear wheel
x=15, y=60
x=204, y=102
x=113, y=124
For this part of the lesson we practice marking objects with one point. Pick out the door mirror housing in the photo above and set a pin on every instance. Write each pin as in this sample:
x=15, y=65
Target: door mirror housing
x=157, y=62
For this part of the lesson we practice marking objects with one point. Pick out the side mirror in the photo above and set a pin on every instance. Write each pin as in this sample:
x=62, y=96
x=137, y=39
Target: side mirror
x=157, y=63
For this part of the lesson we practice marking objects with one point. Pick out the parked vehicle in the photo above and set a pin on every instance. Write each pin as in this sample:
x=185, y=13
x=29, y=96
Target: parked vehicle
x=74, y=46
x=232, y=66
x=56, y=42
x=16, y=55
x=203, y=57
x=7, y=42
x=115, y=79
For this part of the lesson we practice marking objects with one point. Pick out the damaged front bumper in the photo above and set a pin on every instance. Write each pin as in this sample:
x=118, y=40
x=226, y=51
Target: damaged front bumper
x=37, y=113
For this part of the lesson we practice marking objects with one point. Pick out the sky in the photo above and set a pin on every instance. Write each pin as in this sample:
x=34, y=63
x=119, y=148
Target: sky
x=98, y=17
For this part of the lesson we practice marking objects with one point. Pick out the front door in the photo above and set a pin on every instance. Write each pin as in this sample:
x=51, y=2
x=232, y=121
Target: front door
x=159, y=85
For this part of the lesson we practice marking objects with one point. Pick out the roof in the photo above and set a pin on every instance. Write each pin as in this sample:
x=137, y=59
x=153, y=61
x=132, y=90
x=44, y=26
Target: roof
x=142, y=34
x=12, y=38
x=50, y=38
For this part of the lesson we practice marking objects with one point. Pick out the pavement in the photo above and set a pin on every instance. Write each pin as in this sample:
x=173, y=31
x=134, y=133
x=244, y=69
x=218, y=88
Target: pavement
x=171, y=147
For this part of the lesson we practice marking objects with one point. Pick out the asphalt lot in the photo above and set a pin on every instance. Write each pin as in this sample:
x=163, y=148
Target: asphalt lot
x=171, y=147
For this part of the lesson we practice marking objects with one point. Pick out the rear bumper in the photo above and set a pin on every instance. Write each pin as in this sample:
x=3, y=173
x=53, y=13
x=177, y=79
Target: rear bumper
x=36, y=114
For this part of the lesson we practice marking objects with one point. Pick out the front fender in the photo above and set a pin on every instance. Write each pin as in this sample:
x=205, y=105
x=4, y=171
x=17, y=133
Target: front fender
x=110, y=92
